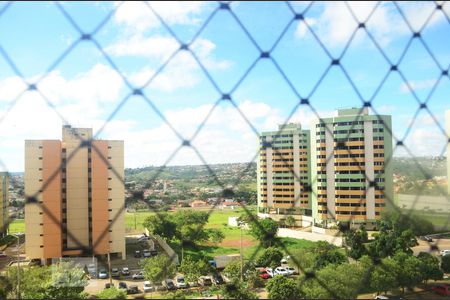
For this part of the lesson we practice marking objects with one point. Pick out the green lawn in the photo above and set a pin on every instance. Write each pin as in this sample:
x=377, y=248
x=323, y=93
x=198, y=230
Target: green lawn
x=17, y=225
x=231, y=244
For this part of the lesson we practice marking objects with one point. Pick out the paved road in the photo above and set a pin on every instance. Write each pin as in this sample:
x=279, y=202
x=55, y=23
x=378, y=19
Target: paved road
x=425, y=246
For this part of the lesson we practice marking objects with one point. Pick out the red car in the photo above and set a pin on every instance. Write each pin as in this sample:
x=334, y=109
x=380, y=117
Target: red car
x=263, y=274
x=442, y=289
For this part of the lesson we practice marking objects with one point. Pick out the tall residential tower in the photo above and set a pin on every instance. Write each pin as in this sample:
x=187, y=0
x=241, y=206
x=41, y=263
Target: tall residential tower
x=337, y=171
x=350, y=155
x=284, y=170
x=447, y=130
x=76, y=196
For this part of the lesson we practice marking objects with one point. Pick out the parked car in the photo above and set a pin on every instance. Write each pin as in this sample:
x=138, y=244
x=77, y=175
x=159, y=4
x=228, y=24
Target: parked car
x=285, y=260
x=125, y=271
x=3, y=254
x=218, y=279
x=281, y=271
x=115, y=272
x=441, y=289
x=138, y=276
x=122, y=285
x=381, y=297
x=263, y=274
x=180, y=282
x=137, y=254
x=103, y=274
x=37, y=262
x=445, y=252
x=109, y=285
x=270, y=272
x=153, y=252
x=168, y=284
x=147, y=286
x=133, y=289
x=92, y=269
x=146, y=253
x=143, y=238
x=205, y=281
x=291, y=270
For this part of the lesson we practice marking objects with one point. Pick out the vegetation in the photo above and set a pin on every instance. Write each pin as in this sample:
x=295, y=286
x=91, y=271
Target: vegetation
x=445, y=264
x=237, y=290
x=187, y=227
x=270, y=257
x=281, y=287
x=194, y=269
x=264, y=230
x=158, y=268
x=60, y=281
x=112, y=293
x=355, y=241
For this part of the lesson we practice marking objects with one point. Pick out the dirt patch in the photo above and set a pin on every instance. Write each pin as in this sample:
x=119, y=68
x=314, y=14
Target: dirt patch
x=237, y=243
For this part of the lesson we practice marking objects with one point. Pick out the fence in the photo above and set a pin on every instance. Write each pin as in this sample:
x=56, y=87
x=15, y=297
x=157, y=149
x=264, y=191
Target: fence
x=353, y=20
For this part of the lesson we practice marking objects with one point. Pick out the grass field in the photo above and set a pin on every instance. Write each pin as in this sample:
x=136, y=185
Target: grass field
x=230, y=245
x=17, y=225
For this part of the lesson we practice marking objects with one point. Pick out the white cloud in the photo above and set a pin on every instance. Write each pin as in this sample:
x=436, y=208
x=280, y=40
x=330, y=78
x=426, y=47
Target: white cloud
x=335, y=23
x=416, y=85
x=136, y=16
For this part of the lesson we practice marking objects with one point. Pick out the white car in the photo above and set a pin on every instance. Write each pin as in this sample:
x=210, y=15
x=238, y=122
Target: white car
x=147, y=286
x=445, y=252
x=270, y=272
x=138, y=275
x=103, y=274
x=180, y=283
x=291, y=270
x=281, y=271
x=381, y=297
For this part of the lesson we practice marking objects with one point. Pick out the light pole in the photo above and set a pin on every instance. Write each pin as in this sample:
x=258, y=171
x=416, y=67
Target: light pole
x=242, y=263
x=18, y=266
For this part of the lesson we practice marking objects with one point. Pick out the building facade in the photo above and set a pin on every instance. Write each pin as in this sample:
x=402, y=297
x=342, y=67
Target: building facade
x=4, y=199
x=284, y=171
x=338, y=171
x=75, y=196
x=350, y=158
x=447, y=130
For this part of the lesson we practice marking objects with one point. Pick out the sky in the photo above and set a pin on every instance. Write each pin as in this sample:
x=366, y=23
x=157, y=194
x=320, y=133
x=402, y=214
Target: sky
x=89, y=83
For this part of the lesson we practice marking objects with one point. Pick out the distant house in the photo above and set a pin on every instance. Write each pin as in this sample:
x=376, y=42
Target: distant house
x=229, y=205
x=198, y=203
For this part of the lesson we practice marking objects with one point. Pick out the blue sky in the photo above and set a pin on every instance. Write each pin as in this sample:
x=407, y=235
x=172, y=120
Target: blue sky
x=84, y=88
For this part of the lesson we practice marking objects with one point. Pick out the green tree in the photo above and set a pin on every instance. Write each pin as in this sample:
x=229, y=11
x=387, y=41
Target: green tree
x=409, y=272
x=161, y=224
x=290, y=221
x=264, y=230
x=429, y=267
x=333, y=256
x=355, y=240
x=158, y=268
x=112, y=293
x=237, y=290
x=271, y=257
x=233, y=270
x=60, y=281
x=445, y=263
x=340, y=282
x=389, y=241
x=281, y=287
x=384, y=276
x=215, y=235
x=303, y=259
x=193, y=269
x=5, y=287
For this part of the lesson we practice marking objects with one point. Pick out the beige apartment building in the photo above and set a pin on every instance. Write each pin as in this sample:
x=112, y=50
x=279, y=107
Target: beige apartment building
x=447, y=130
x=4, y=198
x=76, y=196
